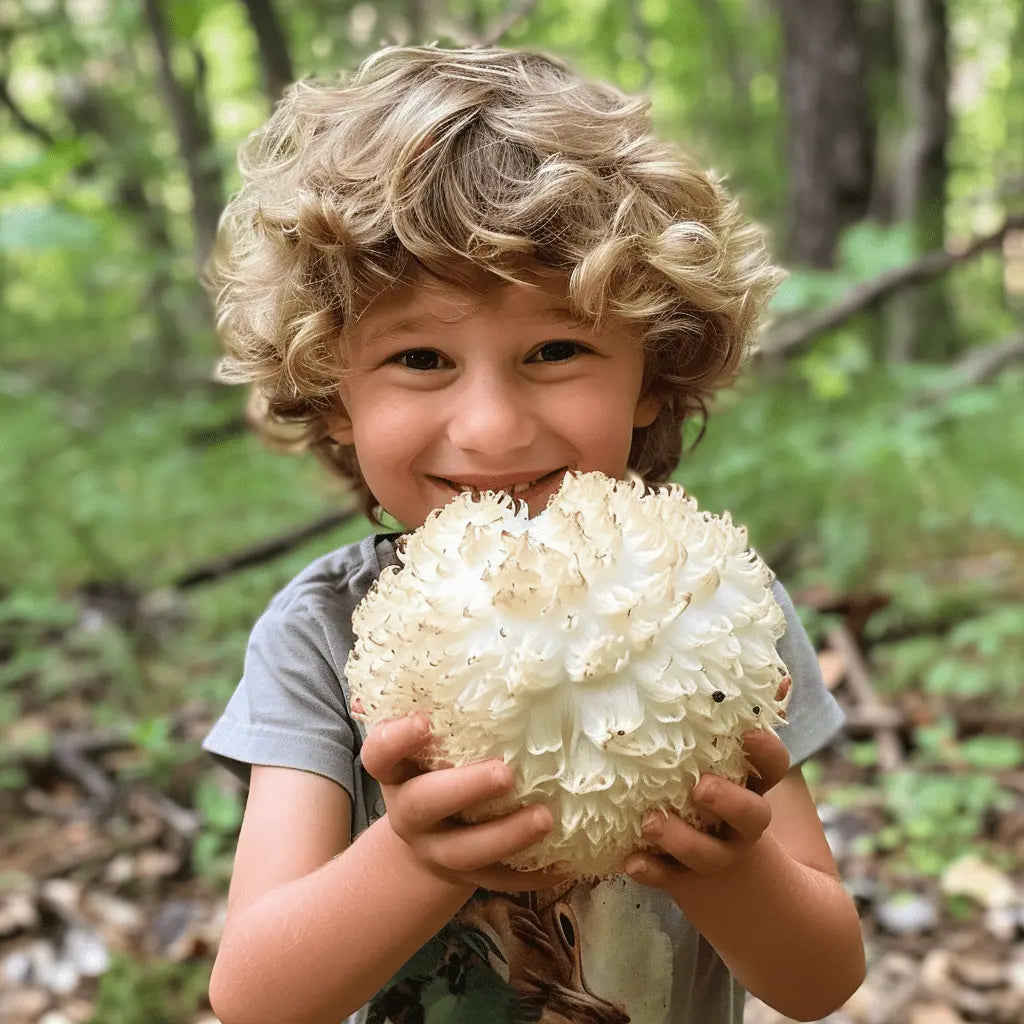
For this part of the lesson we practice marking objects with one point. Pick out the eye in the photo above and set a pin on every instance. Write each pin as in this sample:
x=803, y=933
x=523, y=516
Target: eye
x=418, y=359
x=560, y=351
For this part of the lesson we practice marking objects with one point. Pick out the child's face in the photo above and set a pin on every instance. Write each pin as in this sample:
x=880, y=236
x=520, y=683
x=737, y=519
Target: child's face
x=444, y=388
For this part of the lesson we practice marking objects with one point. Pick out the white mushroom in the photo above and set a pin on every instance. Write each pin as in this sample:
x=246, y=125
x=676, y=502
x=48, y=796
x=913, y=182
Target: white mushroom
x=609, y=650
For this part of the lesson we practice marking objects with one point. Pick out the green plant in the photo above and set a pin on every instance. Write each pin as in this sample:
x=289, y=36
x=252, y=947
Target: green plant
x=137, y=991
x=221, y=813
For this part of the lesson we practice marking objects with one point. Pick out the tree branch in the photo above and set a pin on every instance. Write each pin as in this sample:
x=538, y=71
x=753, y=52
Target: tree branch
x=866, y=296
x=976, y=367
x=21, y=118
x=263, y=552
x=515, y=12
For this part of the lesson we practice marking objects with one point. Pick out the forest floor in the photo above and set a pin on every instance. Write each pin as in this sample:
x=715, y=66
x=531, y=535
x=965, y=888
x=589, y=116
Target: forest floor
x=104, y=917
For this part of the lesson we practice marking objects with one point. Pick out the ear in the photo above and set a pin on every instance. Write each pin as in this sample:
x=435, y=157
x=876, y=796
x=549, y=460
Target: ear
x=339, y=426
x=646, y=412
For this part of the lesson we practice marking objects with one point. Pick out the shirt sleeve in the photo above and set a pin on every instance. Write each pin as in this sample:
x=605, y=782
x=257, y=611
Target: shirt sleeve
x=289, y=709
x=813, y=715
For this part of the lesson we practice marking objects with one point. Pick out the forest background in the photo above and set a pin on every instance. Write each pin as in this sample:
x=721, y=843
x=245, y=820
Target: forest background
x=873, y=447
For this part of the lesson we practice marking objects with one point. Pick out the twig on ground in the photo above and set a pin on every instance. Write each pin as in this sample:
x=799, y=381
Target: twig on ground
x=145, y=799
x=70, y=756
x=858, y=677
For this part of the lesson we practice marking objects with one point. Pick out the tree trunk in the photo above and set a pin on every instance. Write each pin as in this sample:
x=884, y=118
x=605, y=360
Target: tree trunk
x=275, y=63
x=830, y=133
x=195, y=138
x=882, y=47
x=920, y=323
x=420, y=17
x=88, y=115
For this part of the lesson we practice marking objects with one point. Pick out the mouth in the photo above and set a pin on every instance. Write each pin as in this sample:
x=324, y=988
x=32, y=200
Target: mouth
x=522, y=490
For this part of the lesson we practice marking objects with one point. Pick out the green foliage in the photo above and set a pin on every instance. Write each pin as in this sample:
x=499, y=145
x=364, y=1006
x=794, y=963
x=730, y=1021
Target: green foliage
x=221, y=813
x=981, y=656
x=861, y=485
x=108, y=474
x=937, y=818
x=45, y=227
x=150, y=992
x=936, y=808
x=865, y=250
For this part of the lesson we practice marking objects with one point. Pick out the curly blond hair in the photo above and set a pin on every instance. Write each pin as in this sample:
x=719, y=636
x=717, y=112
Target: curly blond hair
x=468, y=166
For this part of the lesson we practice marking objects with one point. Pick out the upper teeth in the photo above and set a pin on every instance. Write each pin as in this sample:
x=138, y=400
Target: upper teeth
x=514, y=489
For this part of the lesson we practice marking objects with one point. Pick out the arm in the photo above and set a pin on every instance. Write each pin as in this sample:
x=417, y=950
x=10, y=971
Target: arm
x=316, y=927
x=769, y=898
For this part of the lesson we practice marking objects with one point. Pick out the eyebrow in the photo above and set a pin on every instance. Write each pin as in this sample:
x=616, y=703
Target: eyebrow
x=420, y=322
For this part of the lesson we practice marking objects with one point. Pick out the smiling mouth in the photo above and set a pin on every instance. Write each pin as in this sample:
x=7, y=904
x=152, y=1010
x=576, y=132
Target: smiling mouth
x=515, y=490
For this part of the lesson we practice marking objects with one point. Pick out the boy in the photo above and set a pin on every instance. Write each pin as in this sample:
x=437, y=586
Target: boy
x=475, y=269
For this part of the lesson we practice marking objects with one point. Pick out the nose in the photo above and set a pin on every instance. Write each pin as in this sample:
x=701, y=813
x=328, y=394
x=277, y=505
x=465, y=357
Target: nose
x=491, y=416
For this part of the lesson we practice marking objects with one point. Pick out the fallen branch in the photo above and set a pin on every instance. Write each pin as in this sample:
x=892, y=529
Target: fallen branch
x=70, y=756
x=147, y=800
x=263, y=552
x=99, y=854
x=866, y=296
x=976, y=367
x=858, y=678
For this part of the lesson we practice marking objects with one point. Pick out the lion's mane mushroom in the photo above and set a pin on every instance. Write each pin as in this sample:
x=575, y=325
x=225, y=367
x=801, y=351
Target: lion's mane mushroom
x=609, y=650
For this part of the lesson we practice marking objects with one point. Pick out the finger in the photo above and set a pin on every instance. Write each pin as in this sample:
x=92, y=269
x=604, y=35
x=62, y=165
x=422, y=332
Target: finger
x=390, y=745
x=746, y=814
x=471, y=847
x=784, y=688
x=692, y=848
x=768, y=757
x=432, y=797
x=657, y=872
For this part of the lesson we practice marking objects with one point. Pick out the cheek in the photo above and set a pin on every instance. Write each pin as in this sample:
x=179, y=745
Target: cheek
x=604, y=413
x=388, y=439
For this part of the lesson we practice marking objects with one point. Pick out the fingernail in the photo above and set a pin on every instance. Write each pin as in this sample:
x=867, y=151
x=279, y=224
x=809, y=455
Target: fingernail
x=635, y=867
x=542, y=820
x=420, y=725
x=706, y=791
x=653, y=824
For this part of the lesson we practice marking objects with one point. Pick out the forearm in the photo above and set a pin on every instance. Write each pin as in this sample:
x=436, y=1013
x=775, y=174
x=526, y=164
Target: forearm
x=316, y=949
x=789, y=933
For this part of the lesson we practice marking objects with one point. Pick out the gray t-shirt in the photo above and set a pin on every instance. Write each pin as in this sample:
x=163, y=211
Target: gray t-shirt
x=609, y=952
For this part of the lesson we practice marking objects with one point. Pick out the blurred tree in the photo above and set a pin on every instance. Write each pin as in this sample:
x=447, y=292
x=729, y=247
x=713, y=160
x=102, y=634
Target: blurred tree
x=187, y=104
x=830, y=130
x=920, y=323
x=275, y=61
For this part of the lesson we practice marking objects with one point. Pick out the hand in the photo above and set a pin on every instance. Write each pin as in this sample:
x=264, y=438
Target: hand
x=420, y=806
x=739, y=814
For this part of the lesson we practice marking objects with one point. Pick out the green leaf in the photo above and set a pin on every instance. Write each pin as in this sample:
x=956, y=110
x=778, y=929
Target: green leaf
x=39, y=228
x=48, y=167
x=993, y=752
x=184, y=17
x=220, y=809
x=868, y=249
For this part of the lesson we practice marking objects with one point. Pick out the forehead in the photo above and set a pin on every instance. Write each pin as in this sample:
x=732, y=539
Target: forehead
x=416, y=308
